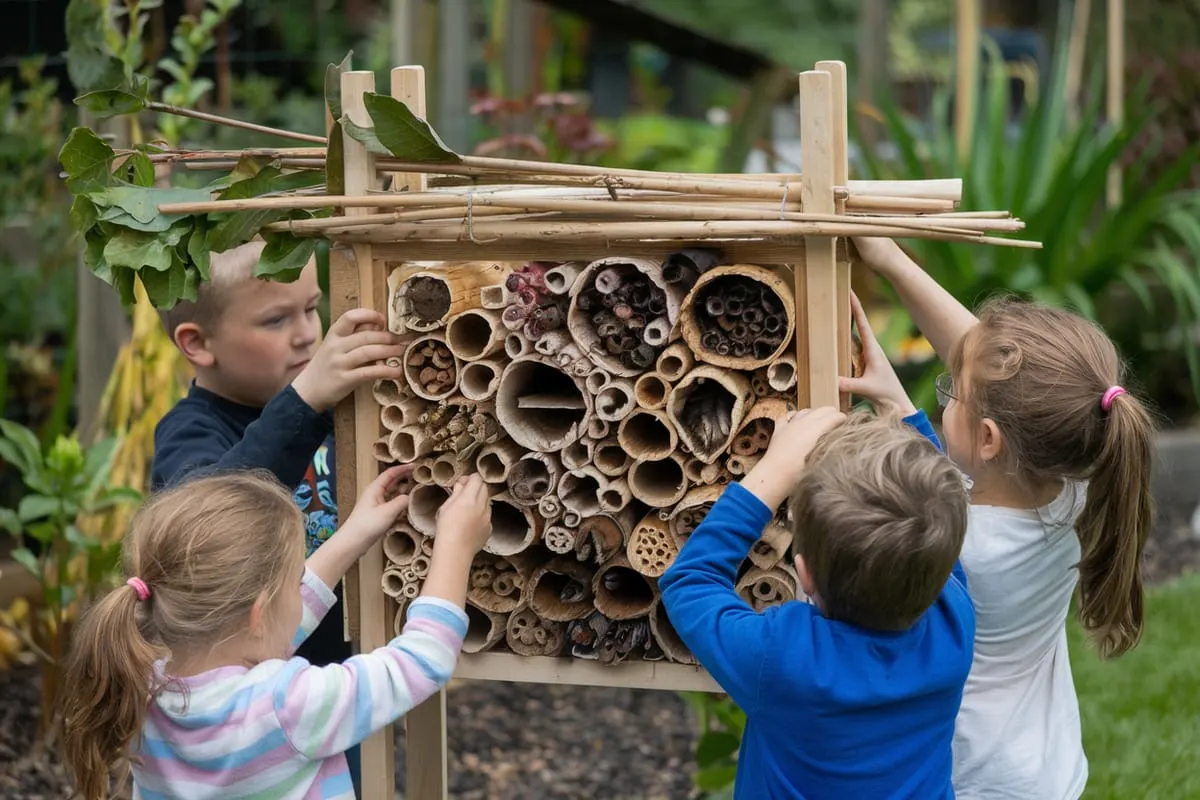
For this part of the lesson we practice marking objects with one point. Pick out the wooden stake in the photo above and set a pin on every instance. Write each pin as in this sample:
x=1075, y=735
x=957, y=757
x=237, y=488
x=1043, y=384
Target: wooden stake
x=1116, y=88
x=966, y=73
x=816, y=277
x=841, y=174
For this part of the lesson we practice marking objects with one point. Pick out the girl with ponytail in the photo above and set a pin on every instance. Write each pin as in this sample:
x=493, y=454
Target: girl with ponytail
x=185, y=676
x=1059, y=456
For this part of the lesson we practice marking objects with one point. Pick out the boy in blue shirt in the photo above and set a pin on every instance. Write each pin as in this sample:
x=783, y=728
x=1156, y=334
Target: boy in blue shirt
x=854, y=693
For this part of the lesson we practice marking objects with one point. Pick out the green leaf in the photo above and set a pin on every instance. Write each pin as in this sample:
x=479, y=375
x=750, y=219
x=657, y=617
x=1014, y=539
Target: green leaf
x=136, y=250
x=285, y=256
x=198, y=252
x=25, y=557
x=239, y=227
x=716, y=778
x=164, y=288
x=35, y=506
x=84, y=213
x=333, y=85
x=335, y=162
x=10, y=522
x=400, y=132
x=138, y=170
x=716, y=746
x=87, y=160
x=90, y=64
x=123, y=278
x=141, y=204
x=191, y=285
x=97, y=463
x=112, y=102
x=20, y=447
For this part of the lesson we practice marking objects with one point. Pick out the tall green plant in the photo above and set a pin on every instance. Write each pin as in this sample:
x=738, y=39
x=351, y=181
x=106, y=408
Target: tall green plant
x=1052, y=173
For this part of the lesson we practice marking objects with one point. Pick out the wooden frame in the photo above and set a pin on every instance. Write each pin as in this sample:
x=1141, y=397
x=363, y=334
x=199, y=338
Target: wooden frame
x=358, y=278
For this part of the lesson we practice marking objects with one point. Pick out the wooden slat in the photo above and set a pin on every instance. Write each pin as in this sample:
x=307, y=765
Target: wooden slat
x=775, y=251
x=841, y=176
x=575, y=672
x=816, y=282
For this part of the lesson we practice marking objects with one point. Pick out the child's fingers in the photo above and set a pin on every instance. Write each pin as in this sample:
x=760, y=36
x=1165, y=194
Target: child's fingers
x=347, y=323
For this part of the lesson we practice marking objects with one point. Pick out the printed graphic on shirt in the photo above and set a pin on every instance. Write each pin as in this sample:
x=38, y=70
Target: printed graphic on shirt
x=315, y=497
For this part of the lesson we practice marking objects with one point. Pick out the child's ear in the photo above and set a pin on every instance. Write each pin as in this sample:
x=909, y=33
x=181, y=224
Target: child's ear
x=258, y=615
x=806, y=582
x=990, y=443
x=193, y=343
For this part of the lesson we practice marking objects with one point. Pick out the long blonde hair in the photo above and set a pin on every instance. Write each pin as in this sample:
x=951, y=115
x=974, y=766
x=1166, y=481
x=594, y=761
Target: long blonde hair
x=206, y=550
x=1040, y=374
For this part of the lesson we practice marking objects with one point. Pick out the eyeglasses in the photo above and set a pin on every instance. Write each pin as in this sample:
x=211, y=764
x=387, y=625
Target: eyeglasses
x=944, y=384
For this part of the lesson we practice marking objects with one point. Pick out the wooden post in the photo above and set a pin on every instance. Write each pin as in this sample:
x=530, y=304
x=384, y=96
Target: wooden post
x=816, y=278
x=841, y=176
x=1116, y=88
x=425, y=726
x=378, y=751
x=966, y=73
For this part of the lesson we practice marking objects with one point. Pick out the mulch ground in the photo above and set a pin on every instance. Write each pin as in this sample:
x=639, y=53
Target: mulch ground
x=511, y=741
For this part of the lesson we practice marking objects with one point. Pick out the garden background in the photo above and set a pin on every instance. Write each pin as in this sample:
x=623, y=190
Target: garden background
x=706, y=86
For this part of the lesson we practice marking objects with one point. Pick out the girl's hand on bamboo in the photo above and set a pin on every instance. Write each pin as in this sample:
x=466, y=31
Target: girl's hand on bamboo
x=355, y=352
x=380, y=505
x=879, y=384
x=465, y=519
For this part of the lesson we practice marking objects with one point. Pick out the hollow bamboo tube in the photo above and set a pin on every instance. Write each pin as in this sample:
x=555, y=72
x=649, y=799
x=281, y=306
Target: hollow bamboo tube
x=447, y=468
x=514, y=528
x=596, y=380
x=580, y=488
x=529, y=635
x=615, y=495
x=675, y=362
x=781, y=373
x=602, y=536
x=651, y=390
x=771, y=547
x=759, y=384
x=658, y=483
x=620, y=591
x=648, y=434
x=420, y=565
x=763, y=588
x=423, y=504
x=550, y=507
x=408, y=444
x=540, y=406
x=559, y=539
x=398, y=413
x=495, y=460
x=517, y=346
x=579, y=453
x=651, y=547
x=494, y=298
x=689, y=511
x=561, y=279
x=552, y=343
x=393, y=583
x=389, y=390
x=381, y=452
x=481, y=379
x=485, y=629
x=422, y=299
x=706, y=407
x=430, y=369
x=615, y=400
x=475, y=334
x=598, y=428
x=767, y=410
x=741, y=465
x=400, y=544
x=497, y=584
x=571, y=518
x=664, y=633
x=533, y=477
x=611, y=458
x=561, y=590
x=422, y=473
x=709, y=311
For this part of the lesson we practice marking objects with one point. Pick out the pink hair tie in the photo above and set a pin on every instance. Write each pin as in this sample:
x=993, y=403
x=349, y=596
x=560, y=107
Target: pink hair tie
x=139, y=586
x=1112, y=394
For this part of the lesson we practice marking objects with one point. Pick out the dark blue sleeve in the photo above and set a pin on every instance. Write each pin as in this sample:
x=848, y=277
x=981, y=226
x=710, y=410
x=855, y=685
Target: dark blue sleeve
x=919, y=421
x=725, y=634
x=190, y=442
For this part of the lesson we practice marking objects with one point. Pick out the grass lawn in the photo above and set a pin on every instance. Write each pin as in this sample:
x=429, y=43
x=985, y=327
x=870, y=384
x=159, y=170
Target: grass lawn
x=1141, y=712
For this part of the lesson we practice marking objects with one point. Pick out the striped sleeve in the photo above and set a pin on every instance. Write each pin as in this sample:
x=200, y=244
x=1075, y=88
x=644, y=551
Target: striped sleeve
x=326, y=710
x=316, y=599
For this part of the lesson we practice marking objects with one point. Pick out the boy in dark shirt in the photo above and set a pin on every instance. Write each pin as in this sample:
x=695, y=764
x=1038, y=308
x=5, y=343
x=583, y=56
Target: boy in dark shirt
x=262, y=398
x=853, y=693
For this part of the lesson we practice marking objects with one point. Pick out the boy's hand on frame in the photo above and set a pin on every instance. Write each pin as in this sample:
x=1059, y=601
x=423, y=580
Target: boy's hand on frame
x=355, y=351
x=879, y=383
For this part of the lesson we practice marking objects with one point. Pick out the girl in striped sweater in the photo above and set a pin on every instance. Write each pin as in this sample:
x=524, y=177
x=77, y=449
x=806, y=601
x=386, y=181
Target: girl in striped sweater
x=186, y=672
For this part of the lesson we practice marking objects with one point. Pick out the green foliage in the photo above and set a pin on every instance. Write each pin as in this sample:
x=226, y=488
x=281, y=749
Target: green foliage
x=1053, y=175
x=656, y=142
x=398, y=132
x=721, y=726
x=193, y=37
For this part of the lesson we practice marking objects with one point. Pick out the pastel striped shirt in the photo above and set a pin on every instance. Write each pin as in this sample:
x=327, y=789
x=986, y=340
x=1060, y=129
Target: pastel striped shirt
x=281, y=728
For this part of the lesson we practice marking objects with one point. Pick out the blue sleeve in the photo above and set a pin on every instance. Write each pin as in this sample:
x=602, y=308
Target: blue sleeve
x=282, y=440
x=728, y=638
x=919, y=421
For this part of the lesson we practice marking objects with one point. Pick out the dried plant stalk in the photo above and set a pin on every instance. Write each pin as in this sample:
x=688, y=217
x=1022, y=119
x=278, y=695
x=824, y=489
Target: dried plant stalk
x=495, y=460
x=560, y=280
x=739, y=317
x=781, y=373
x=561, y=590
x=474, y=334
x=659, y=483
x=514, y=528
x=480, y=379
x=763, y=588
x=401, y=544
x=407, y=444
x=447, y=468
x=651, y=390
x=666, y=637
x=615, y=400
x=533, y=477
x=707, y=406
x=646, y=434
x=611, y=458
x=422, y=299
x=431, y=370
x=423, y=504
x=497, y=584
x=540, y=406
x=615, y=495
x=580, y=488
x=559, y=538
x=485, y=629
x=691, y=510
x=528, y=634
x=620, y=591
x=675, y=362
x=651, y=547
x=769, y=550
